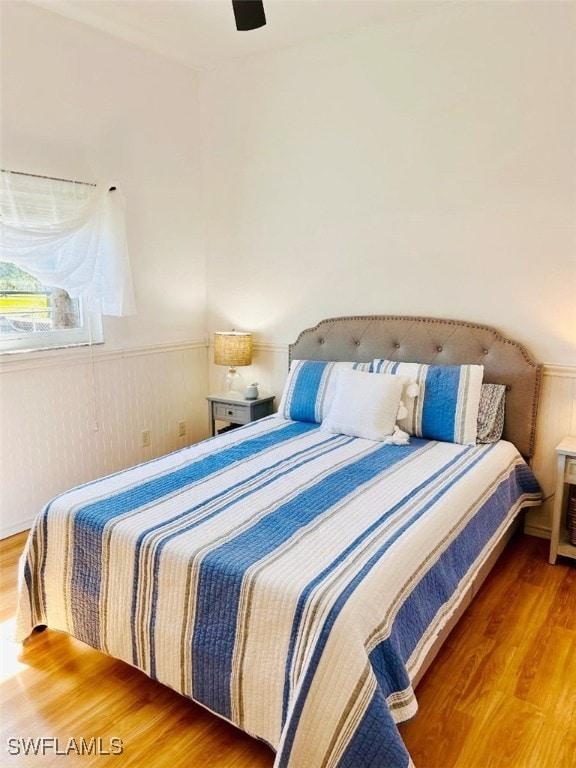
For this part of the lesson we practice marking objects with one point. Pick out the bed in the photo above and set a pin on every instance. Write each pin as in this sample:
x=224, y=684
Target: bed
x=294, y=579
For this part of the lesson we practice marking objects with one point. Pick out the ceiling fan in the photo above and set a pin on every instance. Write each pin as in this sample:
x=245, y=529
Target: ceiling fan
x=249, y=14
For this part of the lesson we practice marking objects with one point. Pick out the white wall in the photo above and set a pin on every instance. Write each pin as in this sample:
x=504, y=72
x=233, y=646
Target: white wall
x=423, y=168
x=79, y=104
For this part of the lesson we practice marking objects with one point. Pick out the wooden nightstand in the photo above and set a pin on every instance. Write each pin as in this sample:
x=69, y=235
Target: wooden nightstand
x=236, y=410
x=565, y=477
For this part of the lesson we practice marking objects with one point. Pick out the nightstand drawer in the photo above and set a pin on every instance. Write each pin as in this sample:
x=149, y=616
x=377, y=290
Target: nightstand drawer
x=237, y=414
x=570, y=471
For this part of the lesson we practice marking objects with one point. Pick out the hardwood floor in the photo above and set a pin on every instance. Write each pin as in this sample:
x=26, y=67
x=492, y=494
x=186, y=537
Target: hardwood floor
x=501, y=693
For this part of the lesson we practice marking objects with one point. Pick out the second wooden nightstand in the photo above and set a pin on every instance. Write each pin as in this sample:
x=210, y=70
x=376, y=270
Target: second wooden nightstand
x=236, y=410
x=565, y=478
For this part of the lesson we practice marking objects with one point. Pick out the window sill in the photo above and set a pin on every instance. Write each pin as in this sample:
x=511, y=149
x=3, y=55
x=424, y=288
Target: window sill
x=46, y=350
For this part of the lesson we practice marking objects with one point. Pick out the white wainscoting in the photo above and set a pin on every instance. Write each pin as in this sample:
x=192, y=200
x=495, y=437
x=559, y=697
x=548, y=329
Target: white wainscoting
x=69, y=418
x=50, y=410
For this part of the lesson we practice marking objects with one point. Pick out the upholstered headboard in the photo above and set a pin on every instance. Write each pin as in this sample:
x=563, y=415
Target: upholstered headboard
x=437, y=341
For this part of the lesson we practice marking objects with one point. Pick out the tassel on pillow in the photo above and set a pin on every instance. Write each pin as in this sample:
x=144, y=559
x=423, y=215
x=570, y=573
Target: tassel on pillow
x=398, y=437
x=402, y=412
x=413, y=389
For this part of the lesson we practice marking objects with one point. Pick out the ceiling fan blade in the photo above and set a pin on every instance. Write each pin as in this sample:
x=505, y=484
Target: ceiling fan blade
x=249, y=14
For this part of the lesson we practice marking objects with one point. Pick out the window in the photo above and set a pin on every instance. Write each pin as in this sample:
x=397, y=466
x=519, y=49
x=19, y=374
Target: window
x=60, y=240
x=37, y=316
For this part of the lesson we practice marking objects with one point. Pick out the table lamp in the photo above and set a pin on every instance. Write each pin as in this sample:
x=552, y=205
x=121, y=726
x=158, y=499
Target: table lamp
x=232, y=348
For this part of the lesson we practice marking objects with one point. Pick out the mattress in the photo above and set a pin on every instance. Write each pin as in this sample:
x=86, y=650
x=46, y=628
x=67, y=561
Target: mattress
x=289, y=579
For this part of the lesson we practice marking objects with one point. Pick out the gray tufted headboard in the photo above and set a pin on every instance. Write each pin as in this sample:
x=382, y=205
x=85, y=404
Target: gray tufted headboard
x=441, y=342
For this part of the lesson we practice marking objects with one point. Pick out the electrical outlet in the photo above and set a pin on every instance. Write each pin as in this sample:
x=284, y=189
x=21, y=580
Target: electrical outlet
x=182, y=428
x=145, y=438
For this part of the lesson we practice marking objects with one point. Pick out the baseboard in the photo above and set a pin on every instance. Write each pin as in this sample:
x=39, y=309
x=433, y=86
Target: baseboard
x=537, y=530
x=12, y=530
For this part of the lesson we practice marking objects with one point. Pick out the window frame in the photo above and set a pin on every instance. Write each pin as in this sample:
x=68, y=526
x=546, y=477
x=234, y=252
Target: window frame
x=90, y=332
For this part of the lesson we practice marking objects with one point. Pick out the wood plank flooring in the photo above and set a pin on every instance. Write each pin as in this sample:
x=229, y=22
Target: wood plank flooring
x=501, y=693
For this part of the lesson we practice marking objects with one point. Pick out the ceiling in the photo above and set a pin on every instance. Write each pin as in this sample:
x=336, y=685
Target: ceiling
x=201, y=34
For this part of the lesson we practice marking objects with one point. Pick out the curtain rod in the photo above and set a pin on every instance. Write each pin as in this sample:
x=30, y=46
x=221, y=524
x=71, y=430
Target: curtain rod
x=53, y=178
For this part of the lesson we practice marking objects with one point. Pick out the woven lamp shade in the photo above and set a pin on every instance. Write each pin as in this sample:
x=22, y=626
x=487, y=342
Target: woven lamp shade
x=232, y=348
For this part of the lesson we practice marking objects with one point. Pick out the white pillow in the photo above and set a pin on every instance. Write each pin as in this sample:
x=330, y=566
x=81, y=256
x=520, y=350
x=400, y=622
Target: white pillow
x=364, y=405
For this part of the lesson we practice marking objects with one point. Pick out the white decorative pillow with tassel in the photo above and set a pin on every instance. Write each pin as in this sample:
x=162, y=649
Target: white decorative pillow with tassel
x=366, y=406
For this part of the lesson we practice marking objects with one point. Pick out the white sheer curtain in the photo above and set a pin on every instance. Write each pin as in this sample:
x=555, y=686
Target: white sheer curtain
x=68, y=235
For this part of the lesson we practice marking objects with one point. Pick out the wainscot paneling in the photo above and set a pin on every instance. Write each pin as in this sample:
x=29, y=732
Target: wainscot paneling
x=67, y=419
x=70, y=419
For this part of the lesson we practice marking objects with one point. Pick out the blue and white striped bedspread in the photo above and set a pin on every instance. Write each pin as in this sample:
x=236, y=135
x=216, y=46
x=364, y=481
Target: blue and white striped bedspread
x=289, y=579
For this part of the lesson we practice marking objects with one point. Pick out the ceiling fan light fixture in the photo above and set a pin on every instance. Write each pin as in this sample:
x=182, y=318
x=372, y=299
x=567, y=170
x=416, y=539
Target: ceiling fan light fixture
x=249, y=14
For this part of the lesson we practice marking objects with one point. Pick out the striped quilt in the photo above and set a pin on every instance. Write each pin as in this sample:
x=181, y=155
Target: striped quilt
x=289, y=579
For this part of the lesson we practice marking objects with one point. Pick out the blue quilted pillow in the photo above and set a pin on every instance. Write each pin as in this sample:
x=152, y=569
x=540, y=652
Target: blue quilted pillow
x=447, y=406
x=310, y=387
